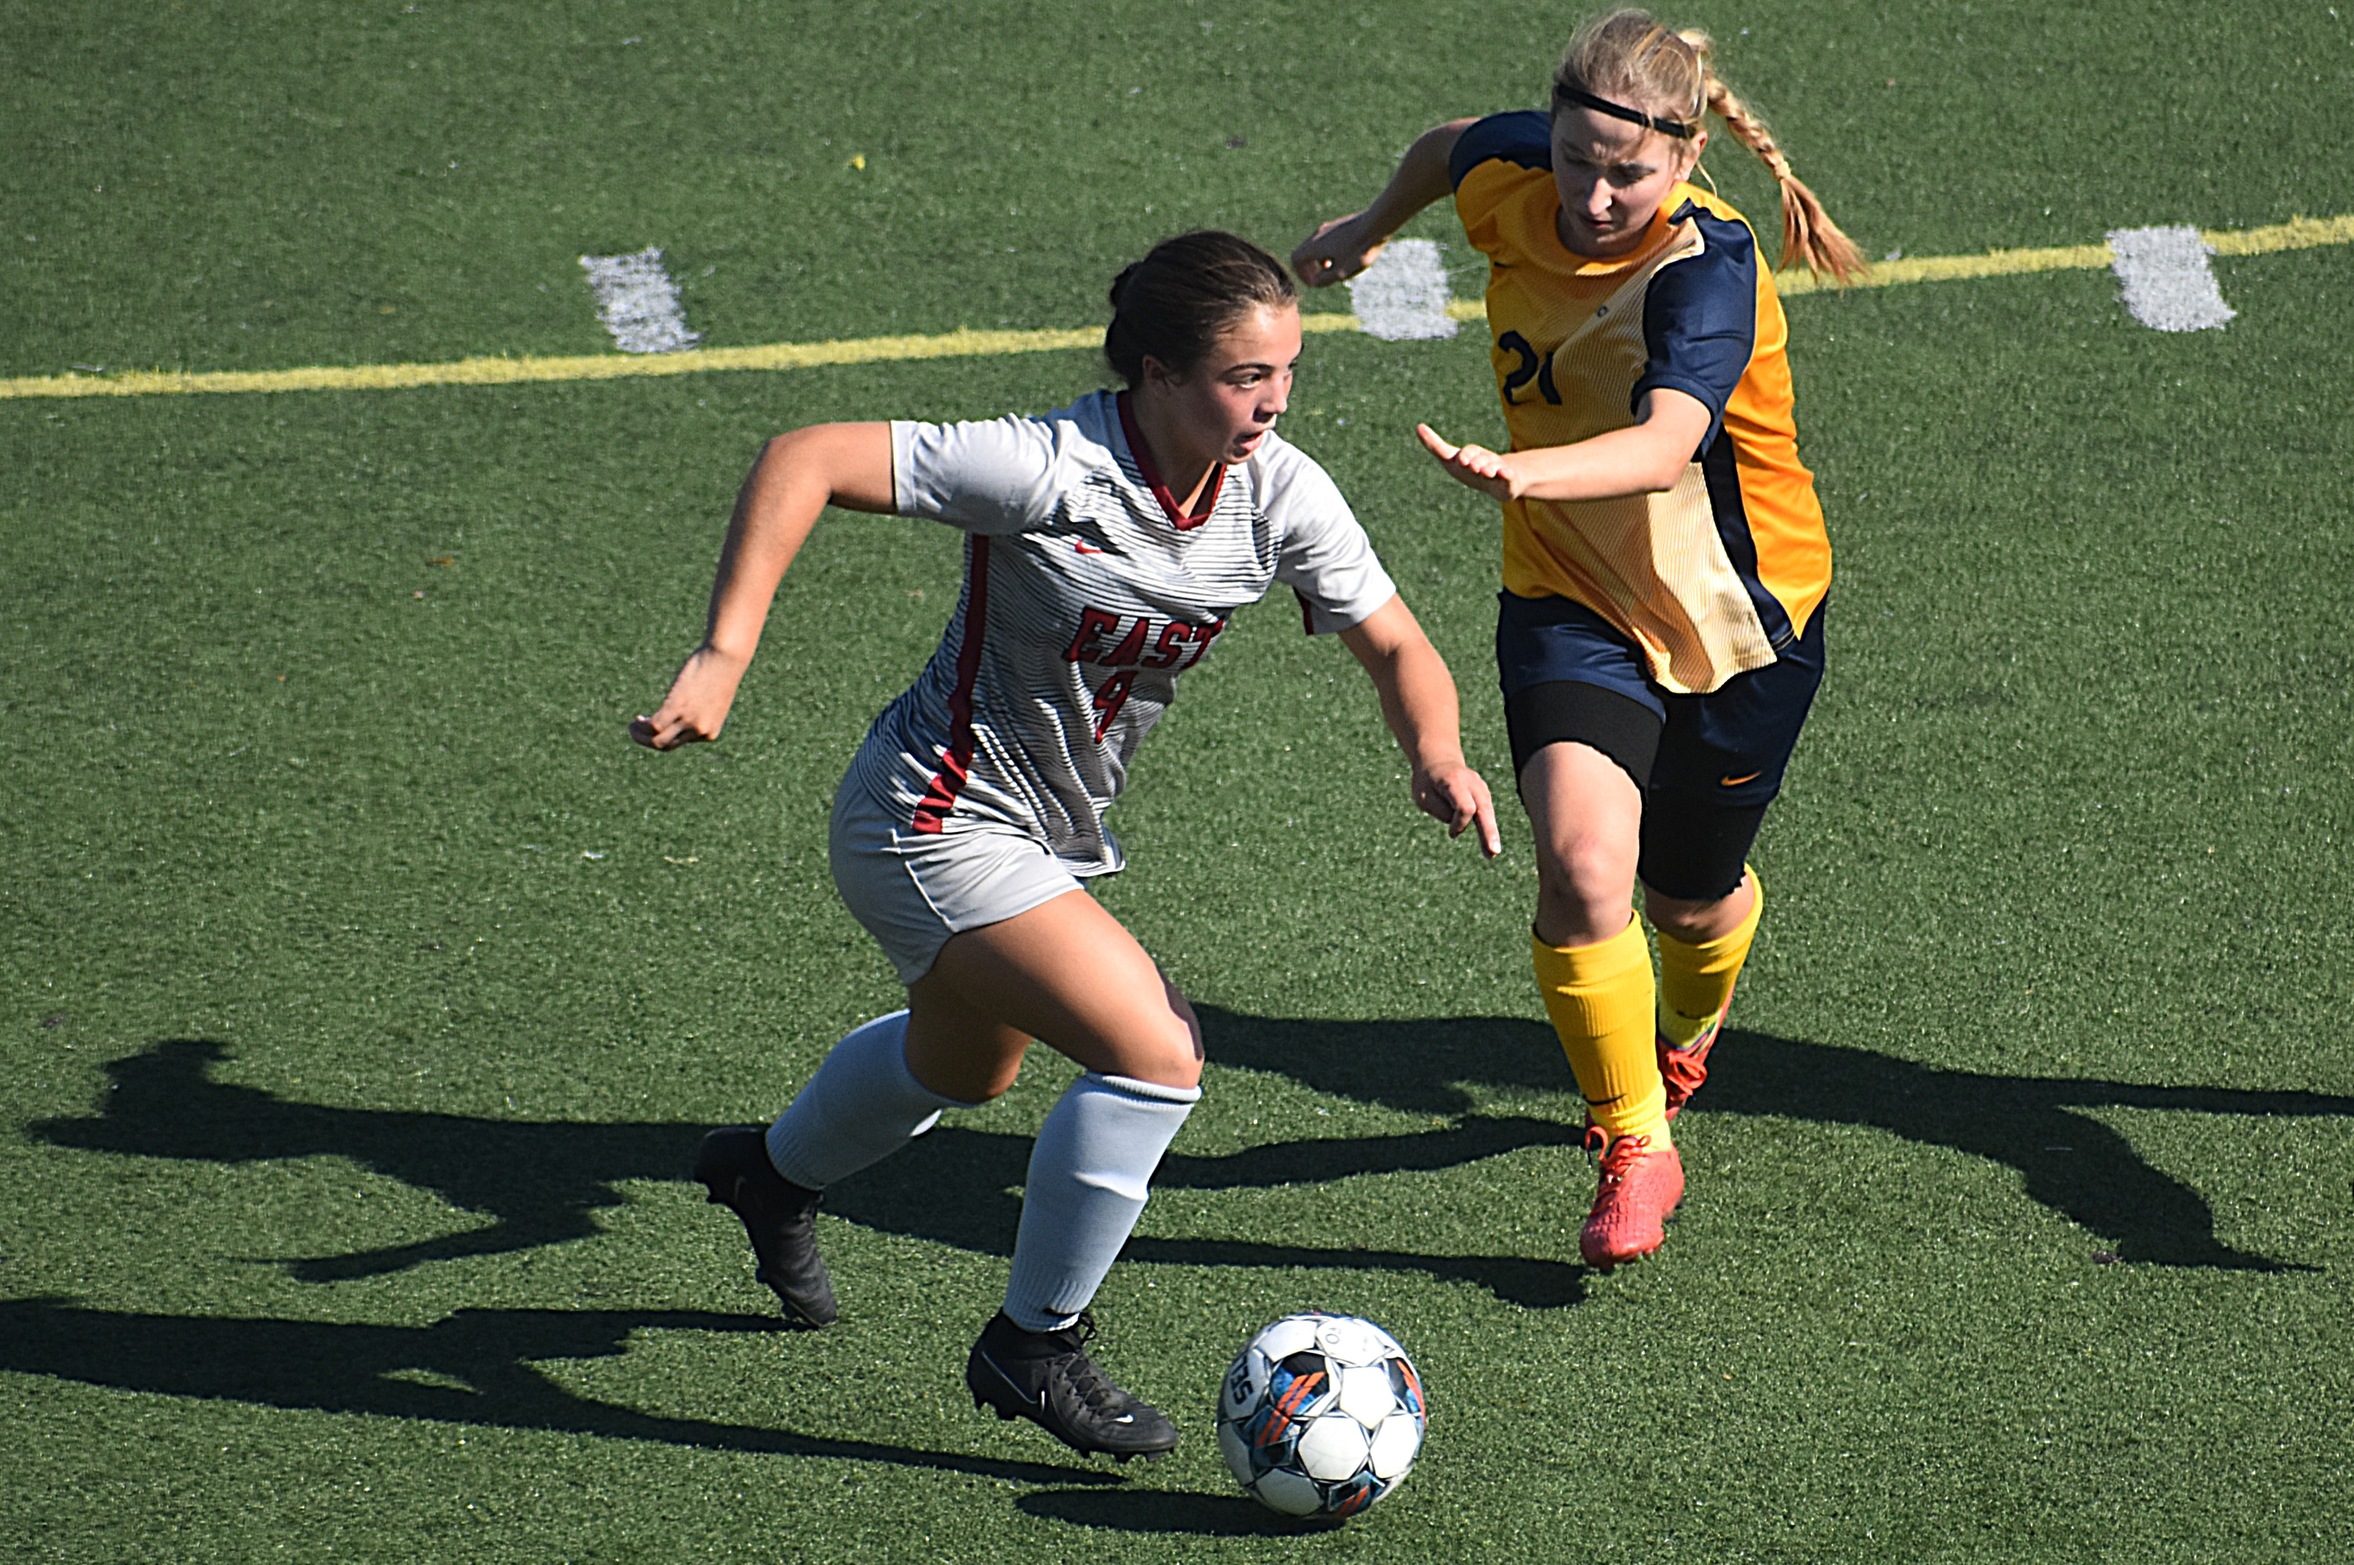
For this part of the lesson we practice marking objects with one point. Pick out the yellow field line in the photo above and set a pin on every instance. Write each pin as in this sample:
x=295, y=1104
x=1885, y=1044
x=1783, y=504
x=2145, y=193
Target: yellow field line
x=594, y=366
x=2297, y=234
x=2302, y=233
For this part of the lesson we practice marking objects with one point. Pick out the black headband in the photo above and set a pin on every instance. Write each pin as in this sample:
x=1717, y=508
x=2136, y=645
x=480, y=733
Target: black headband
x=1680, y=129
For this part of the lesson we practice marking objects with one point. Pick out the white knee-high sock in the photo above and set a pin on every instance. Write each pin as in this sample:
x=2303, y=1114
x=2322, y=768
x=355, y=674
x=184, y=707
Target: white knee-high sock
x=862, y=1105
x=1095, y=1154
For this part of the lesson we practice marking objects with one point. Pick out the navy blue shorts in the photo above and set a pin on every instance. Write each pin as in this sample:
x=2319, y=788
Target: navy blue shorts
x=1706, y=765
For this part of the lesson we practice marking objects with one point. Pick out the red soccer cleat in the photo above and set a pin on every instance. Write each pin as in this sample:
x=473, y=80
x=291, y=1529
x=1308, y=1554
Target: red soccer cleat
x=1640, y=1187
x=1684, y=1069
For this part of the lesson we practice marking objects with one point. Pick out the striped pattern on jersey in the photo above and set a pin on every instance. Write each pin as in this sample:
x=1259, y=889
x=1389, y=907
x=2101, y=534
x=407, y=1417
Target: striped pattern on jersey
x=1712, y=576
x=1085, y=595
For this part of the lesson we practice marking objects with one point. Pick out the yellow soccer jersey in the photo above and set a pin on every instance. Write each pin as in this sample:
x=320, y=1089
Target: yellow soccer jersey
x=1712, y=576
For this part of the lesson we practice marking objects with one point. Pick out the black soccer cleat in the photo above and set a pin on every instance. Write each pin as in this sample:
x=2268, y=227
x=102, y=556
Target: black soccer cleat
x=779, y=1217
x=1047, y=1378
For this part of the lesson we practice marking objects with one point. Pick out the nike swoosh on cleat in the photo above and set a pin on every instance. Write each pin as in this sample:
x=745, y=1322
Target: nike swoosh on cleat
x=1086, y=548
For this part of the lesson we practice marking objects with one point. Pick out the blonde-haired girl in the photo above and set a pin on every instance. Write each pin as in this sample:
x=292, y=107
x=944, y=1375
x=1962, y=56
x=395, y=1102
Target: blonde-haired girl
x=1661, y=628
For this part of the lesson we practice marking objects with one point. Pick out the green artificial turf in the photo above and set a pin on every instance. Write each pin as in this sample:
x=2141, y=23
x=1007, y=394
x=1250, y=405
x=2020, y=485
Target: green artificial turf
x=362, y=993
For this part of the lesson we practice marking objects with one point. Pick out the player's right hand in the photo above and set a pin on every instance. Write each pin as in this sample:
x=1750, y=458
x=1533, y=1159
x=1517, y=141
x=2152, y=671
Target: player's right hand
x=697, y=706
x=1334, y=253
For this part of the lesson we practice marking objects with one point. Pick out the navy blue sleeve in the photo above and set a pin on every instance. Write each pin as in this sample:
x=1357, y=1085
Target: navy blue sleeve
x=1700, y=318
x=1524, y=137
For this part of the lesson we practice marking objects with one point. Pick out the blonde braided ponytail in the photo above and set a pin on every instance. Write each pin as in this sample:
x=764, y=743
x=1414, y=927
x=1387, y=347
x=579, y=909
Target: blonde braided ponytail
x=1628, y=56
x=1808, y=234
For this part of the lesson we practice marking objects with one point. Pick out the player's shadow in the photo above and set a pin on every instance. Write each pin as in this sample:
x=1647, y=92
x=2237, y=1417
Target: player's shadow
x=538, y=1181
x=541, y=1182
x=903, y=1195
x=473, y=1367
x=2067, y=1160
x=1167, y=1511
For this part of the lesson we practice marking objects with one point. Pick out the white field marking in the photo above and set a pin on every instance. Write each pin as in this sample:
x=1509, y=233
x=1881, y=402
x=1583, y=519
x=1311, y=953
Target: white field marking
x=1402, y=296
x=638, y=302
x=2298, y=233
x=2167, y=281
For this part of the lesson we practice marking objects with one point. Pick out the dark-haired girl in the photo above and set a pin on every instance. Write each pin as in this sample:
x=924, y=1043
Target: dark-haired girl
x=1108, y=544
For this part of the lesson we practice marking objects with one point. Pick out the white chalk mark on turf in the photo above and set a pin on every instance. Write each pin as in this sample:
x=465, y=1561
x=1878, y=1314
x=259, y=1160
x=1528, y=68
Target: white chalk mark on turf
x=638, y=302
x=1402, y=296
x=2298, y=233
x=2168, y=282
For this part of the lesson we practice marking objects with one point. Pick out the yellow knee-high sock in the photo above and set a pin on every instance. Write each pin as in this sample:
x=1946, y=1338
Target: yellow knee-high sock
x=1696, y=981
x=1600, y=999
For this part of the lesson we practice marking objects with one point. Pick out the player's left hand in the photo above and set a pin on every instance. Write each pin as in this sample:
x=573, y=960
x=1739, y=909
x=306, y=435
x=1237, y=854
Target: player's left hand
x=1452, y=792
x=1487, y=471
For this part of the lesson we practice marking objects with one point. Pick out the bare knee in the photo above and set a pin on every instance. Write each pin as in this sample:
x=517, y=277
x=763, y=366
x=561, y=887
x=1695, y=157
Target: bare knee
x=956, y=1053
x=968, y=1074
x=1585, y=891
x=984, y=1080
x=1696, y=923
x=1168, y=1051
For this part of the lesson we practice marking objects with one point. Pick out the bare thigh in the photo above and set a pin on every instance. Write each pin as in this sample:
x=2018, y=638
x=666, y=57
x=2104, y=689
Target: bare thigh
x=1588, y=820
x=1066, y=973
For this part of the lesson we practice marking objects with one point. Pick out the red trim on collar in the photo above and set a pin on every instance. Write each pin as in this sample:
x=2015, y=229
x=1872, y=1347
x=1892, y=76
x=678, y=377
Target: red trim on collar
x=1152, y=478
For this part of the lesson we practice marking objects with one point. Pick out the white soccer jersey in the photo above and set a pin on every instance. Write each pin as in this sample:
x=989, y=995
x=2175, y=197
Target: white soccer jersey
x=1085, y=595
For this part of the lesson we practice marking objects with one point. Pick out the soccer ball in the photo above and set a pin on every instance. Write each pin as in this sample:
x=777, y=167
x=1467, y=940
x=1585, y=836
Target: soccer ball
x=1321, y=1415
